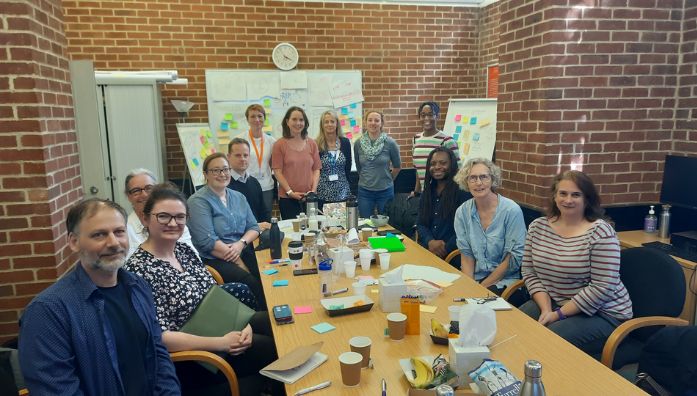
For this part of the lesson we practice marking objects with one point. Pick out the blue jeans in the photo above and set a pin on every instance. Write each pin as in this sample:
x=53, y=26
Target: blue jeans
x=587, y=333
x=367, y=200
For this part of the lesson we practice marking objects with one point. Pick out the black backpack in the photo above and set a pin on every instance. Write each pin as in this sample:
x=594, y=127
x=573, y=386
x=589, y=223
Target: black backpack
x=670, y=358
x=403, y=212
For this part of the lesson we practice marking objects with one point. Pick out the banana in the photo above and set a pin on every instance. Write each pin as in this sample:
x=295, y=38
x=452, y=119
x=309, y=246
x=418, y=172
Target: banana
x=438, y=329
x=423, y=373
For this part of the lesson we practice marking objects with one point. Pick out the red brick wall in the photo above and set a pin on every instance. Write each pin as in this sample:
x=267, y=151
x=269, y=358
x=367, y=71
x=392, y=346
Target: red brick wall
x=685, y=136
x=39, y=170
x=489, y=33
x=407, y=53
x=589, y=84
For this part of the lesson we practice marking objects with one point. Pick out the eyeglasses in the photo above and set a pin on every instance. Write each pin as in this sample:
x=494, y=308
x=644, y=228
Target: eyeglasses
x=138, y=190
x=482, y=178
x=219, y=171
x=165, y=218
x=427, y=115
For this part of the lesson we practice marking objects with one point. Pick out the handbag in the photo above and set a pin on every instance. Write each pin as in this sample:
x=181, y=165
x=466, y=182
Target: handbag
x=650, y=386
x=218, y=314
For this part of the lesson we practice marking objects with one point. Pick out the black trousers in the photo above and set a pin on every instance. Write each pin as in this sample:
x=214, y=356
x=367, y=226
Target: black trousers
x=290, y=208
x=233, y=273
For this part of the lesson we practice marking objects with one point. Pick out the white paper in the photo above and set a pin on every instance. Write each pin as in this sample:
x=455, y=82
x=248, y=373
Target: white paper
x=352, y=238
x=292, y=375
x=294, y=80
x=263, y=85
x=497, y=305
x=319, y=90
x=345, y=92
x=425, y=272
x=223, y=87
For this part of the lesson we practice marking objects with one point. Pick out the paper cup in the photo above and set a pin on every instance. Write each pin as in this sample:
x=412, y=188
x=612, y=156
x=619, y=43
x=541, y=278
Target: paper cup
x=359, y=288
x=384, y=259
x=350, y=269
x=295, y=253
x=366, y=256
x=350, y=368
x=366, y=233
x=454, y=312
x=361, y=345
x=296, y=225
x=397, y=325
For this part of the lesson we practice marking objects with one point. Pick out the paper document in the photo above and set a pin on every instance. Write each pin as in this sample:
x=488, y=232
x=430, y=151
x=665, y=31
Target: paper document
x=425, y=272
x=497, y=305
x=296, y=364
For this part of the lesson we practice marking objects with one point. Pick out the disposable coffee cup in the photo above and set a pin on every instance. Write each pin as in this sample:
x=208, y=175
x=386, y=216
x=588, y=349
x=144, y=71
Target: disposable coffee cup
x=361, y=345
x=350, y=268
x=359, y=288
x=350, y=368
x=296, y=225
x=384, y=259
x=366, y=233
x=295, y=253
x=397, y=325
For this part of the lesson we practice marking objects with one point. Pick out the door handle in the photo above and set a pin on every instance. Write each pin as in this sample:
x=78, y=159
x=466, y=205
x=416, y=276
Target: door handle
x=94, y=190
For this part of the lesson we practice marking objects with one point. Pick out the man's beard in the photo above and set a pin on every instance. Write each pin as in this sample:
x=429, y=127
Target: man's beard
x=109, y=266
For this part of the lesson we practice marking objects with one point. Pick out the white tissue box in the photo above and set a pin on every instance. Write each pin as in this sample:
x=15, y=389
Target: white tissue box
x=465, y=359
x=338, y=256
x=390, y=293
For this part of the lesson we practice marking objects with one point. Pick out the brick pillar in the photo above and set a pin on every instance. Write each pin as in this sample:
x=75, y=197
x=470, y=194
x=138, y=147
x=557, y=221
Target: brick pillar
x=685, y=135
x=589, y=85
x=39, y=167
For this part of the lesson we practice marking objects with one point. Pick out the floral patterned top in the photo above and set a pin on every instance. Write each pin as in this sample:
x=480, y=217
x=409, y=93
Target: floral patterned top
x=176, y=294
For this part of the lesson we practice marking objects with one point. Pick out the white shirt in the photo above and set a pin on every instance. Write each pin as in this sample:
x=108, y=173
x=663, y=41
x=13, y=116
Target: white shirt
x=137, y=234
x=263, y=175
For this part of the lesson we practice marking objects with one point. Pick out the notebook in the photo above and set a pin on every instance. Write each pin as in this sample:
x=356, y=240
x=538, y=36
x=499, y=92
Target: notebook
x=295, y=364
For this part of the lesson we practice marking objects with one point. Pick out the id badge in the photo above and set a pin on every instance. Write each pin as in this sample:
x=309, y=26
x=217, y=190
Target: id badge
x=333, y=177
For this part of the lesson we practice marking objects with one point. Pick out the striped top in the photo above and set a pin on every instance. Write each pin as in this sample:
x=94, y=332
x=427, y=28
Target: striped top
x=584, y=268
x=423, y=145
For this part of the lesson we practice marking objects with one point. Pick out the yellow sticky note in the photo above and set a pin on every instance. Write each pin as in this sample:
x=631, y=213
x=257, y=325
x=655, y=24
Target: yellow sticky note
x=376, y=291
x=427, y=308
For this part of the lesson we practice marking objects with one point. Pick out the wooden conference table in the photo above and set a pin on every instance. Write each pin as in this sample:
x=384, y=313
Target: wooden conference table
x=566, y=370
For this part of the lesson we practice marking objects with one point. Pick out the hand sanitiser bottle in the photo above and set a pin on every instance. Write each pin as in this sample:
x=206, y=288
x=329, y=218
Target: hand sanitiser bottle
x=650, y=221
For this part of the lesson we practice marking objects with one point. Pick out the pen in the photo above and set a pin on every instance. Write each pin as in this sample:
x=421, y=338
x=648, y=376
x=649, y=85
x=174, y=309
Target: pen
x=279, y=261
x=459, y=299
x=313, y=388
x=344, y=290
x=384, y=387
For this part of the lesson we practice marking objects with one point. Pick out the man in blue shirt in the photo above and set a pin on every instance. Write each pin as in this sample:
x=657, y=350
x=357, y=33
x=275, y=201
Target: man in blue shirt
x=94, y=332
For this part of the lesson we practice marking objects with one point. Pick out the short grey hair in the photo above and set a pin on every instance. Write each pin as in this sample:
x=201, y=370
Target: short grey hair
x=464, y=173
x=135, y=172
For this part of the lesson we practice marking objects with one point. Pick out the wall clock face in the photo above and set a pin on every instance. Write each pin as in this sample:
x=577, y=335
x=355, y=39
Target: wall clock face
x=285, y=56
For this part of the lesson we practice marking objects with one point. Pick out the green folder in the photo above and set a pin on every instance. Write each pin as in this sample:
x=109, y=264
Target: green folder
x=218, y=314
x=392, y=244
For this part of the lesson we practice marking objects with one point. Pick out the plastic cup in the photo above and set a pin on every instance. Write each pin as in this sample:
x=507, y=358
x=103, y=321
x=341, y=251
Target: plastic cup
x=384, y=259
x=359, y=288
x=350, y=368
x=397, y=325
x=454, y=312
x=361, y=345
x=366, y=256
x=350, y=268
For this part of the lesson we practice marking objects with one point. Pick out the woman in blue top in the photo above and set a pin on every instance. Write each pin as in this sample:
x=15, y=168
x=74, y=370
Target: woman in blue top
x=223, y=227
x=490, y=228
x=440, y=199
x=335, y=155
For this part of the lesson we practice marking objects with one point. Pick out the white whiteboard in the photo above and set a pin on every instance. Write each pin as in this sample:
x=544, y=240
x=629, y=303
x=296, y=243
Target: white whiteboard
x=230, y=92
x=198, y=143
x=472, y=123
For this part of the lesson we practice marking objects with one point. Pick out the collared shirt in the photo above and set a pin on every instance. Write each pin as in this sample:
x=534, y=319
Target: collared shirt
x=263, y=173
x=439, y=228
x=66, y=344
x=505, y=234
x=423, y=145
x=211, y=221
x=239, y=177
x=137, y=234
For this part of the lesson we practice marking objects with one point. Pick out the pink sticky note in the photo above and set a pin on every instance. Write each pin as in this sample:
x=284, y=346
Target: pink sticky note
x=458, y=117
x=343, y=122
x=302, y=309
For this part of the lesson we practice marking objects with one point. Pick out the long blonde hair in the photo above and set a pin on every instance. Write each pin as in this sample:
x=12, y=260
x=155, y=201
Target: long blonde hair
x=321, y=138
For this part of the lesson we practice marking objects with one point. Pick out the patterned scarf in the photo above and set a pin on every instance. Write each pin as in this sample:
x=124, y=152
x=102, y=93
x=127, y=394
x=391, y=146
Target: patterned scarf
x=371, y=148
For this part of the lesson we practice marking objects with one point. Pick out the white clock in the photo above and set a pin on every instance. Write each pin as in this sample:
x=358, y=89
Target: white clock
x=285, y=56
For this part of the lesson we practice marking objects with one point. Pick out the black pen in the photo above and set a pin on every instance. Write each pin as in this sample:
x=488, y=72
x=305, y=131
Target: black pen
x=384, y=387
x=459, y=299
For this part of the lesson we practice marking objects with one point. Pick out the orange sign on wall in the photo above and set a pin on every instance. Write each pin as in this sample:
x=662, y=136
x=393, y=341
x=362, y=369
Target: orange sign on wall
x=492, y=81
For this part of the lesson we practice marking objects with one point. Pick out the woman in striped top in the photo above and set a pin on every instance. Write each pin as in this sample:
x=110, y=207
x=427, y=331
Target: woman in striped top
x=571, y=267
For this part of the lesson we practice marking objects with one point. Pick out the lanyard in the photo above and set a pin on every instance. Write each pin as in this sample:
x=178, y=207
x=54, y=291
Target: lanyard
x=333, y=158
x=259, y=156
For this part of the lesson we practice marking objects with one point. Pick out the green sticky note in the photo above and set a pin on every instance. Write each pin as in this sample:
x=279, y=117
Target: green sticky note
x=267, y=102
x=266, y=122
x=228, y=117
x=234, y=125
x=323, y=327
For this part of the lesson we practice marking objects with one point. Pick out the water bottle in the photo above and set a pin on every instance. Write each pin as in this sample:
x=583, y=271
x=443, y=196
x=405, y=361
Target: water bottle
x=324, y=270
x=351, y=212
x=313, y=221
x=532, y=386
x=664, y=230
x=650, y=221
x=275, y=239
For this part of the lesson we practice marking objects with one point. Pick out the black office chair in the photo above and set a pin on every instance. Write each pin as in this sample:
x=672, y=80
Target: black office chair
x=405, y=181
x=656, y=286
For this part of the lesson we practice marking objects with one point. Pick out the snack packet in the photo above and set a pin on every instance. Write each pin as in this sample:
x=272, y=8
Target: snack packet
x=494, y=379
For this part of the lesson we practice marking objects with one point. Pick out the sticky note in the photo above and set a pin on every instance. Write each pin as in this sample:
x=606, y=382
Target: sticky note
x=473, y=121
x=267, y=122
x=458, y=129
x=458, y=117
x=195, y=161
x=267, y=102
x=475, y=137
x=343, y=122
x=349, y=135
x=203, y=139
x=280, y=282
x=465, y=120
x=456, y=136
x=427, y=308
x=303, y=309
x=235, y=125
x=203, y=153
x=209, y=134
x=323, y=327
x=353, y=123
x=227, y=117
x=353, y=105
x=271, y=271
x=485, y=123
x=224, y=126
x=344, y=110
x=357, y=129
x=376, y=291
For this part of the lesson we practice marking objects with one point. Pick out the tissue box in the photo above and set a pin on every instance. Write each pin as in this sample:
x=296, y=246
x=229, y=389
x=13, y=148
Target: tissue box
x=390, y=293
x=465, y=359
x=339, y=255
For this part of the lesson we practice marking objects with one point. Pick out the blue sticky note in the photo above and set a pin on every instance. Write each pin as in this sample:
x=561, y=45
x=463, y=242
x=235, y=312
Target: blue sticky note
x=224, y=126
x=271, y=271
x=353, y=105
x=344, y=110
x=323, y=327
x=353, y=123
x=280, y=282
x=458, y=129
x=475, y=137
x=473, y=121
x=456, y=136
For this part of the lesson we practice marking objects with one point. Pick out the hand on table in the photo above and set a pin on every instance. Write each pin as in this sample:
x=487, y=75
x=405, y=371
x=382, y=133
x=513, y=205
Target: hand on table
x=437, y=247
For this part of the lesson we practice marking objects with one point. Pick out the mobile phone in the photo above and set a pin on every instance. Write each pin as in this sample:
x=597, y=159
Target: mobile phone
x=282, y=314
x=304, y=271
x=384, y=232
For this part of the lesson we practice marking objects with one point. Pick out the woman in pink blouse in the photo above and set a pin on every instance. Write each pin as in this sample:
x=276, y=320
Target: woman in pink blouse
x=571, y=267
x=295, y=162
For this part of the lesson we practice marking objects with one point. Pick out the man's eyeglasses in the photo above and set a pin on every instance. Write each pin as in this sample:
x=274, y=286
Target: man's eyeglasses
x=165, y=218
x=138, y=190
x=427, y=115
x=482, y=178
x=219, y=171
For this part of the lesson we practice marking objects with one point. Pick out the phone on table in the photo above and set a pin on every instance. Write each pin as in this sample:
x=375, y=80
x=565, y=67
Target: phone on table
x=304, y=271
x=282, y=314
x=385, y=232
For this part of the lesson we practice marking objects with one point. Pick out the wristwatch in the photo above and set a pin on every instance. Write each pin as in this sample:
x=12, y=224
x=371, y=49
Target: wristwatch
x=244, y=241
x=289, y=192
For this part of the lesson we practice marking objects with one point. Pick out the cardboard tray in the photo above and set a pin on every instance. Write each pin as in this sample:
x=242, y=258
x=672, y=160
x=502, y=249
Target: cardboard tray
x=347, y=302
